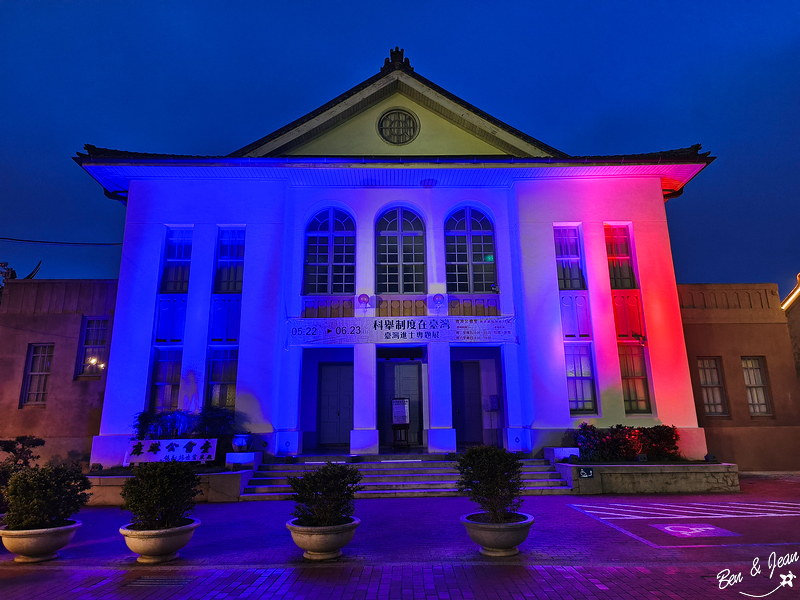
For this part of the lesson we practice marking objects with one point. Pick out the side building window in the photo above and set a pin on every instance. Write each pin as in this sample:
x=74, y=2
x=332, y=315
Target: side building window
x=37, y=375
x=470, y=253
x=712, y=386
x=330, y=265
x=634, y=378
x=755, y=380
x=230, y=262
x=93, y=350
x=568, y=259
x=400, y=246
x=166, y=380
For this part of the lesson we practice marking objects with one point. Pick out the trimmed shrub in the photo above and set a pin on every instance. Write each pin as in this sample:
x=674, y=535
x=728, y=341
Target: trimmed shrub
x=160, y=495
x=325, y=496
x=492, y=477
x=45, y=497
x=20, y=456
x=623, y=443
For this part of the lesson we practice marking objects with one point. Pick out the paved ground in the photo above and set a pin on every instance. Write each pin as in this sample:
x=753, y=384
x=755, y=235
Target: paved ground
x=654, y=546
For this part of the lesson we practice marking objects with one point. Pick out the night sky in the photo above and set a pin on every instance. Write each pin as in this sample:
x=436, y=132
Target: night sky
x=207, y=78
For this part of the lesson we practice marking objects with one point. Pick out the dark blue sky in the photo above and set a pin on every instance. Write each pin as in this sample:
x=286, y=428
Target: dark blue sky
x=585, y=77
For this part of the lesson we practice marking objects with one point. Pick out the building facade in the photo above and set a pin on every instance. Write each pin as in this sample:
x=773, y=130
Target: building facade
x=55, y=338
x=398, y=243
x=745, y=384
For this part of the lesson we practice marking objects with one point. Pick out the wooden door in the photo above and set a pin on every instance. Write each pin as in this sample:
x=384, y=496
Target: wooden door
x=335, y=403
x=467, y=408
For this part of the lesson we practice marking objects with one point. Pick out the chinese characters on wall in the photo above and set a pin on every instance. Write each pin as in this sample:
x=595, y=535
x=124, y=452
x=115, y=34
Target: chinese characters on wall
x=140, y=451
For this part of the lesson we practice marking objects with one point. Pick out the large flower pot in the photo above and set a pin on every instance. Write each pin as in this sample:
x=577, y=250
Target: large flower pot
x=240, y=442
x=158, y=545
x=38, y=545
x=322, y=543
x=498, y=539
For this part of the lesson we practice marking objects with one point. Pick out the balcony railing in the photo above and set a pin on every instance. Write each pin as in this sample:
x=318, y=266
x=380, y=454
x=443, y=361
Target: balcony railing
x=327, y=307
x=474, y=305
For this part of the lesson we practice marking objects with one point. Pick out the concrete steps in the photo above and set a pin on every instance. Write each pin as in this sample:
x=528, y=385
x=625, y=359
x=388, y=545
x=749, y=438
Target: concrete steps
x=396, y=477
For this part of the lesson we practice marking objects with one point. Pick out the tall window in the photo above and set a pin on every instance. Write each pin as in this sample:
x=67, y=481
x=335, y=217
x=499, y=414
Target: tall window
x=331, y=254
x=177, y=260
x=634, y=378
x=230, y=262
x=470, y=253
x=756, y=382
x=400, y=261
x=92, y=352
x=166, y=380
x=580, y=379
x=620, y=259
x=222, y=377
x=711, y=385
x=568, y=259
x=37, y=374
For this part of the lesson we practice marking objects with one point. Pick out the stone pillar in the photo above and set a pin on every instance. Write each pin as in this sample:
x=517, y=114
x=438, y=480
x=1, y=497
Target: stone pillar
x=441, y=435
x=364, y=435
x=516, y=433
x=604, y=330
x=198, y=310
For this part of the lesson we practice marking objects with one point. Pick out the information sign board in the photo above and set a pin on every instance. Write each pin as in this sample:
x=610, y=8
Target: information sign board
x=400, y=411
x=140, y=451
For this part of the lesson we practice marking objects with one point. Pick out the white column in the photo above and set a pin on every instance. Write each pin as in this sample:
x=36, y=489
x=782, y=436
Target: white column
x=604, y=330
x=198, y=310
x=364, y=435
x=516, y=432
x=441, y=435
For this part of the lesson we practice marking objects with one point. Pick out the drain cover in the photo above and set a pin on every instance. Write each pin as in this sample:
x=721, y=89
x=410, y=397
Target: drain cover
x=160, y=581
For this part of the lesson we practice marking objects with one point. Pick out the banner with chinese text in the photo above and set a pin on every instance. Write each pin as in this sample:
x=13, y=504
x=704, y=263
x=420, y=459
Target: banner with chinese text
x=388, y=330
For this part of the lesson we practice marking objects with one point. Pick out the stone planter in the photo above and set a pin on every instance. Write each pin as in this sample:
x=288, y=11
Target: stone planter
x=38, y=545
x=498, y=539
x=158, y=545
x=240, y=442
x=322, y=543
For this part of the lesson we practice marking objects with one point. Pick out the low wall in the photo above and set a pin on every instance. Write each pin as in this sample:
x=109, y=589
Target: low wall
x=651, y=479
x=215, y=487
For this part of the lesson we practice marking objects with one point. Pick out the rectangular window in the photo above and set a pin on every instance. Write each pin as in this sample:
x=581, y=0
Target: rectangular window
x=711, y=385
x=620, y=258
x=756, y=382
x=580, y=380
x=568, y=259
x=166, y=380
x=230, y=262
x=222, y=377
x=634, y=378
x=37, y=375
x=92, y=352
x=177, y=260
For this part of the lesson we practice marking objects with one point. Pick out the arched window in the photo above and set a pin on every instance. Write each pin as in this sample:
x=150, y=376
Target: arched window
x=470, y=253
x=400, y=260
x=330, y=254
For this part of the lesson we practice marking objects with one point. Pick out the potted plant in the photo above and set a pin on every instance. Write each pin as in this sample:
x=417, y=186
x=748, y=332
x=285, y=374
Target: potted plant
x=41, y=501
x=324, y=506
x=492, y=477
x=159, y=496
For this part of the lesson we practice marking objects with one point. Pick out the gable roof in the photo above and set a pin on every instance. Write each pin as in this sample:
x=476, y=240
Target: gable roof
x=398, y=76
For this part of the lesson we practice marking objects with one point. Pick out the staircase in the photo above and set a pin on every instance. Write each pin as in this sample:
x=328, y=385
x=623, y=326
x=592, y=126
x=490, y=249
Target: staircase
x=397, y=476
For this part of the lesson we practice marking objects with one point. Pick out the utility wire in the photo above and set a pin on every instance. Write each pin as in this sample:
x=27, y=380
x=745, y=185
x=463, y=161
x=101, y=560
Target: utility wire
x=21, y=241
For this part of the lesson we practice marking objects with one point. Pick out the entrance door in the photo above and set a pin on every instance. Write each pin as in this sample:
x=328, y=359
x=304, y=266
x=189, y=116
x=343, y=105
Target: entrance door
x=335, y=403
x=399, y=380
x=467, y=409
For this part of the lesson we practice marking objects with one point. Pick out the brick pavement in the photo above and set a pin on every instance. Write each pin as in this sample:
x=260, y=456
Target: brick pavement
x=413, y=548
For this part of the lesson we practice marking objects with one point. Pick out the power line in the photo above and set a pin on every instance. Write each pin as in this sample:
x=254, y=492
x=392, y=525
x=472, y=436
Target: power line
x=48, y=243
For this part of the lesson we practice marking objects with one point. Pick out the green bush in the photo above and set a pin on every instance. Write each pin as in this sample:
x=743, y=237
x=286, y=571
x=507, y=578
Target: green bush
x=623, y=443
x=160, y=494
x=20, y=456
x=325, y=496
x=44, y=497
x=210, y=422
x=492, y=477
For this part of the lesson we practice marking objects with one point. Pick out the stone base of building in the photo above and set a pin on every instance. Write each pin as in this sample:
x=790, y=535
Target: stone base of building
x=650, y=479
x=756, y=448
x=109, y=450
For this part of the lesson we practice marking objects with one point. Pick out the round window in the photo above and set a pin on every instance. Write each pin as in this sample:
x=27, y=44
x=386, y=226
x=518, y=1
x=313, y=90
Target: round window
x=398, y=126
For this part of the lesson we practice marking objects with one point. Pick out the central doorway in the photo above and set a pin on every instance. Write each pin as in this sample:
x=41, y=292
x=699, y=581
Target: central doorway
x=467, y=408
x=399, y=379
x=335, y=403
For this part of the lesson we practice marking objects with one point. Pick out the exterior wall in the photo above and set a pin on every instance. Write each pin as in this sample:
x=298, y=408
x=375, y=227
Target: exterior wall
x=729, y=322
x=793, y=318
x=51, y=312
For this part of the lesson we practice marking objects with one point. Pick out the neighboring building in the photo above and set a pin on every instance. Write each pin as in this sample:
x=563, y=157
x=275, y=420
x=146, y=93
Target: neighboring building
x=55, y=336
x=398, y=243
x=744, y=379
x=789, y=306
